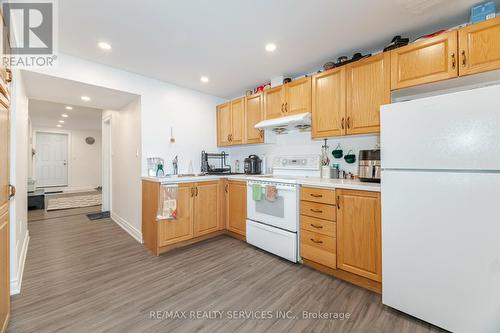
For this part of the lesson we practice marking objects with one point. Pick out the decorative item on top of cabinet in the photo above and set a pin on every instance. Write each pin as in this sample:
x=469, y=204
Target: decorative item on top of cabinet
x=236, y=207
x=368, y=87
x=359, y=248
x=430, y=60
x=291, y=98
x=254, y=114
x=328, y=103
x=479, y=47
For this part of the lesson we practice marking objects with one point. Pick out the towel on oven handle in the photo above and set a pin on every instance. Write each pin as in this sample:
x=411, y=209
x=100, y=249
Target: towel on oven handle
x=271, y=193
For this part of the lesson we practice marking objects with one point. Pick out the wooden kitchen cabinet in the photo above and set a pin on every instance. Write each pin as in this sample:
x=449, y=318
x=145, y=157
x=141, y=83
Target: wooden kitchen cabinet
x=479, y=47
x=236, y=207
x=180, y=228
x=199, y=215
x=274, y=102
x=254, y=114
x=359, y=248
x=224, y=124
x=237, y=121
x=329, y=103
x=368, y=87
x=206, y=208
x=430, y=60
x=288, y=99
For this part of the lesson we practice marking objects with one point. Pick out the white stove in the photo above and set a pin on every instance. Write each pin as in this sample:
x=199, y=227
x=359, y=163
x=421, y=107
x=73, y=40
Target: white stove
x=273, y=225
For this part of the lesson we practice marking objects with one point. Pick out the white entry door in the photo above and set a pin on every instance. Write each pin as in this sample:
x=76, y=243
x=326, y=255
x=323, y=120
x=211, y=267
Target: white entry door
x=51, y=159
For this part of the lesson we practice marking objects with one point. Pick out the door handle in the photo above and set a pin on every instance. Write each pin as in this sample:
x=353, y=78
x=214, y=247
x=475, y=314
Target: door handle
x=453, y=61
x=9, y=75
x=192, y=192
x=315, y=241
x=316, y=226
x=12, y=191
x=319, y=211
x=226, y=188
x=261, y=133
x=464, y=59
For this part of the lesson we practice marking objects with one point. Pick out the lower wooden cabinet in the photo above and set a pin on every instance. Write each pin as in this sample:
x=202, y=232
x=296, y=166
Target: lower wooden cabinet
x=4, y=270
x=359, y=245
x=180, y=229
x=236, y=207
x=199, y=214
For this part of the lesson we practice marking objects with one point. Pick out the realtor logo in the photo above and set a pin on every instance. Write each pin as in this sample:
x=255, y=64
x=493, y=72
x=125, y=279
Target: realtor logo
x=31, y=33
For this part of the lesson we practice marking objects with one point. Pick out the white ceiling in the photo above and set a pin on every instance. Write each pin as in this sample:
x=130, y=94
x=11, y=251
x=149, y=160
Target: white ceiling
x=47, y=114
x=50, y=88
x=180, y=40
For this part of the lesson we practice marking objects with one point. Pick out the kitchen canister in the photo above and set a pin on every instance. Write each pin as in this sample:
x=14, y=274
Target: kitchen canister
x=325, y=171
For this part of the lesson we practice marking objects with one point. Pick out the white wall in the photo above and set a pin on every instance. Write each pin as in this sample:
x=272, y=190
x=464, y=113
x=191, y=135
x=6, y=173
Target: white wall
x=126, y=167
x=302, y=144
x=84, y=168
x=19, y=236
x=190, y=113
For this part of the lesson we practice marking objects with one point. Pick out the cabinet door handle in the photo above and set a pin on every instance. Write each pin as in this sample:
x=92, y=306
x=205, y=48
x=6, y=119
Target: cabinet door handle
x=342, y=123
x=261, y=133
x=316, y=195
x=338, y=202
x=282, y=107
x=226, y=188
x=286, y=107
x=192, y=191
x=349, y=122
x=319, y=211
x=315, y=241
x=196, y=191
x=316, y=226
x=464, y=59
x=453, y=61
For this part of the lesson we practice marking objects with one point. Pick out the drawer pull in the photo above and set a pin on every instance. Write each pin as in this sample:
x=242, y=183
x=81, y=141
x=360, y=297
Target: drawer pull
x=316, y=226
x=319, y=211
x=317, y=195
x=315, y=241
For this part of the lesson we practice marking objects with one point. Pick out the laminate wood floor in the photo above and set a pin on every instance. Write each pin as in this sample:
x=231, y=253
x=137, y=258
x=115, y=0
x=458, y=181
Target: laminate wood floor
x=91, y=276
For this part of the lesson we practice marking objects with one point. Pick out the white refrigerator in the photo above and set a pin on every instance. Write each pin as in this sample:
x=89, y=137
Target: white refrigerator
x=441, y=209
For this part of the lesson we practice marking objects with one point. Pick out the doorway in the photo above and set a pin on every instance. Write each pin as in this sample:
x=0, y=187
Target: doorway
x=106, y=164
x=51, y=163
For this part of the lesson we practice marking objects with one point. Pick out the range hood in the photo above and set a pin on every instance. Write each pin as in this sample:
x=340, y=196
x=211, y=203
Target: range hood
x=282, y=125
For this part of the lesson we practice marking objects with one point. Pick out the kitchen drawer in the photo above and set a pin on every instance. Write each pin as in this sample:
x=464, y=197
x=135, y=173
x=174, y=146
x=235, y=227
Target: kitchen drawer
x=320, y=226
x=319, y=210
x=320, y=195
x=318, y=248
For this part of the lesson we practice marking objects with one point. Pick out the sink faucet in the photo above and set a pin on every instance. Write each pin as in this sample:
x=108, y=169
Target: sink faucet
x=174, y=164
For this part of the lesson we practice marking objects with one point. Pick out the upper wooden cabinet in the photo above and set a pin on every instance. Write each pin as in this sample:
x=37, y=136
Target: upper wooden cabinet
x=254, y=114
x=236, y=206
x=479, y=47
x=359, y=247
x=237, y=121
x=274, y=104
x=297, y=96
x=224, y=124
x=431, y=60
x=368, y=87
x=328, y=103
x=288, y=99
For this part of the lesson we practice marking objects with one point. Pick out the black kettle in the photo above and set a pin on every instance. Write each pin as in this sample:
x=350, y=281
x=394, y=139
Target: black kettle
x=253, y=165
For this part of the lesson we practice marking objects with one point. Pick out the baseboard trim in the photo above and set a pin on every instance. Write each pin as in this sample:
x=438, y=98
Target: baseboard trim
x=129, y=228
x=15, y=285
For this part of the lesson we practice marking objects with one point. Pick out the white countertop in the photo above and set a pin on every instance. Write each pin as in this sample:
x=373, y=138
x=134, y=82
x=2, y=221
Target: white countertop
x=351, y=184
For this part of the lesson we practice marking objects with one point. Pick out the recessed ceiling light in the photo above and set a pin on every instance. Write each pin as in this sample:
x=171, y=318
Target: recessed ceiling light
x=204, y=79
x=104, y=46
x=85, y=98
x=61, y=121
x=58, y=125
x=64, y=115
x=270, y=47
x=69, y=108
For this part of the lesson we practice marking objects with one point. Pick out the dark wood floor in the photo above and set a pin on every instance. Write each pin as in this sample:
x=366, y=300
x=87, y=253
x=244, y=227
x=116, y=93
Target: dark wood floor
x=84, y=276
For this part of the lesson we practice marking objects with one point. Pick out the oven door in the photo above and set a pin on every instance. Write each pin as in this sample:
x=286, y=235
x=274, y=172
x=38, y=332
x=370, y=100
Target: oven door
x=281, y=213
